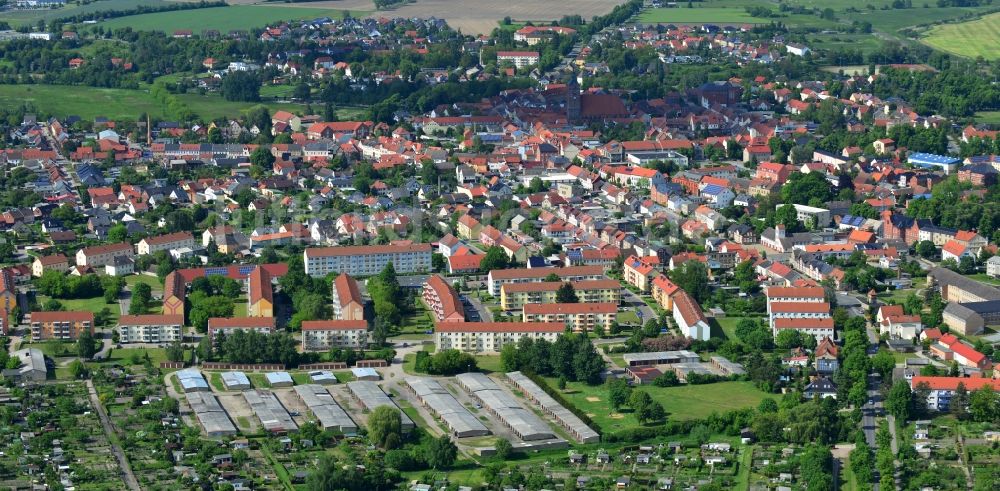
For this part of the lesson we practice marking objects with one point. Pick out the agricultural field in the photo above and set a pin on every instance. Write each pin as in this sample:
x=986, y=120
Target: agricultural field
x=21, y=17
x=683, y=402
x=707, y=15
x=223, y=19
x=475, y=16
x=980, y=37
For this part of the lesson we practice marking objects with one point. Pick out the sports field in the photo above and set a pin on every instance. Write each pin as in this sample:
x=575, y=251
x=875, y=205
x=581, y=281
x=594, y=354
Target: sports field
x=222, y=19
x=980, y=37
x=681, y=403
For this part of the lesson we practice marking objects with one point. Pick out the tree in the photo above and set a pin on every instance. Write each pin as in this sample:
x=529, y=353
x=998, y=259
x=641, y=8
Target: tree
x=788, y=339
x=926, y=249
x=767, y=405
x=262, y=157
x=77, y=369
x=502, y=449
x=566, y=294
x=86, y=345
x=899, y=402
x=618, y=392
x=495, y=258
x=385, y=427
x=959, y=402
x=692, y=277
x=241, y=87
x=883, y=363
x=983, y=405
x=441, y=453
x=117, y=233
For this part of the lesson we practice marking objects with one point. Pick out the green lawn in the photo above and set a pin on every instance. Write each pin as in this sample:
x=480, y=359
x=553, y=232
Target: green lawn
x=488, y=363
x=629, y=317
x=724, y=326
x=88, y=304
x=124, y=356
x=985, y=279
x=681, y=403
x=988, y=117
x=980, y=37
x=152, y=281
x=223, y=19
x=123, y=104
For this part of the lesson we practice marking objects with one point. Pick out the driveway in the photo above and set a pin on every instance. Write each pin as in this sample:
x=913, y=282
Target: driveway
x=634, y=302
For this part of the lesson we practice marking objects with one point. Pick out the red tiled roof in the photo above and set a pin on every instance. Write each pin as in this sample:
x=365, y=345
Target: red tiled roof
x=500, y=327
x=795, y=292
x=570, y=308
x=63, y=316
x=334, y=325
x=800, y=307
x=951, y=383
x=365, y=250
x=150, y=320
x=824, y=323
x=240, y=323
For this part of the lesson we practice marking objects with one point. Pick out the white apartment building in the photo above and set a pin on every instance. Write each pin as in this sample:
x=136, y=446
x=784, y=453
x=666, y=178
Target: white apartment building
x=326, y=334
x=806, y=214
x=580, y=317
x=804, y=309
x=519, y=59
x=165, y=242
x=689, y=317
x=367, y=260
x=103, y=255
x=941, y=389
x=229, y=325
x=500, y=277
x=490, y=337
x=150, y=328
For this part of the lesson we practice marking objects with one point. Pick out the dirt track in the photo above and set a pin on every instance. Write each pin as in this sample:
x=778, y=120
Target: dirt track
x=471, y=16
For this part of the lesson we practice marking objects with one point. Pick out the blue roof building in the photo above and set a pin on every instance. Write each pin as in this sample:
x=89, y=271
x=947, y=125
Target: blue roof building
x=934, y=161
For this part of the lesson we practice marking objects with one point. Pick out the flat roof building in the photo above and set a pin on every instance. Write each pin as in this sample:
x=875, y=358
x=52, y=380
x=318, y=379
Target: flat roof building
x=235, y=381
x=522, y=422
x=569, y=421
x=370, y=395
x=443, y=405
x=660, y=358
x=192, y=381
x=329, y=414
x=367, y=260
x=213, y=418
x=279, y=379
x=272, y=415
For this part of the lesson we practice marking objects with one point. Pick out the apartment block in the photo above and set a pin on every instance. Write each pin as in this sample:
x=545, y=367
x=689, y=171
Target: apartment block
x=150, y=328
x=491, y=337
x=442, y=299
x=367, y=260
x=941, y=389
x=54, y=262
x=60, y=325
x=580, y=317
x=348, y=304
x=260, y=294
x=514, y=296
x=500, y=277
x=99, y=256
x=804, y=309
x=326, y=334
x=228, y=325
x=165, y=242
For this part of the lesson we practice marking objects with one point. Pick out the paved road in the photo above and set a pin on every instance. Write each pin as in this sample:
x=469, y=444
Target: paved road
x=484, y=313
x=631, y=301
x=126, y=469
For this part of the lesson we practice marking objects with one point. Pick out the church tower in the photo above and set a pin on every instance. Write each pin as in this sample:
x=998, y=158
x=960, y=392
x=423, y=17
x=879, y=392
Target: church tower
x=572, y=99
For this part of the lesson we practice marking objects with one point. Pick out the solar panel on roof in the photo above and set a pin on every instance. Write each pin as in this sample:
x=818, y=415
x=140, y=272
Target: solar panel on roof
x=216, y=271
x=245, y=270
